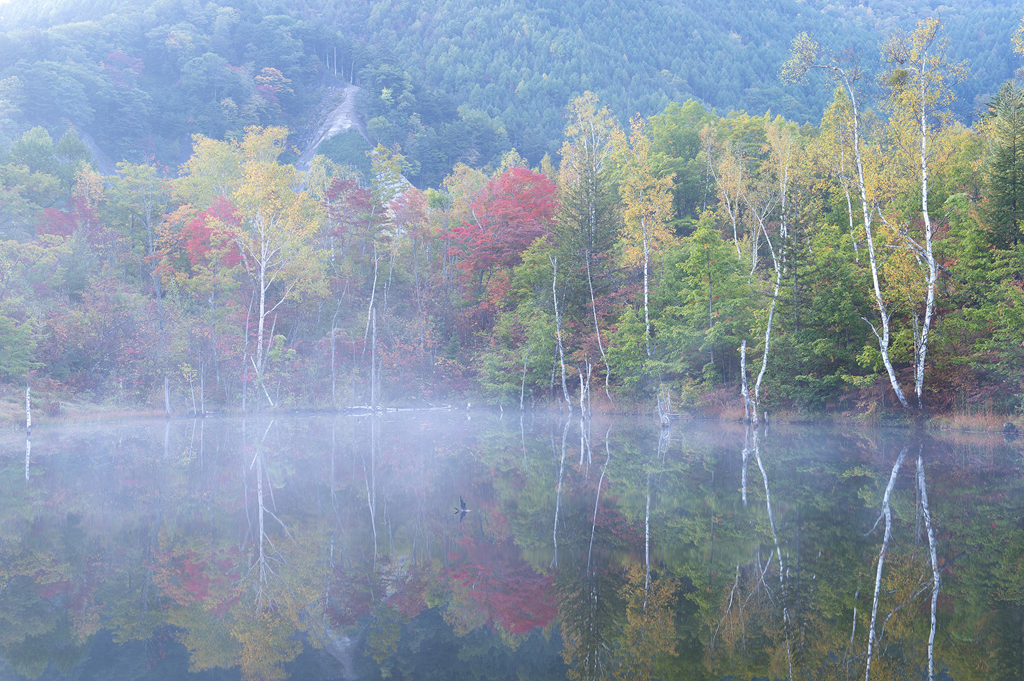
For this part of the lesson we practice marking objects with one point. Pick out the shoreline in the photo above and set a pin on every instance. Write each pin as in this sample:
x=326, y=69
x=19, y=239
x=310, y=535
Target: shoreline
x=67, y=413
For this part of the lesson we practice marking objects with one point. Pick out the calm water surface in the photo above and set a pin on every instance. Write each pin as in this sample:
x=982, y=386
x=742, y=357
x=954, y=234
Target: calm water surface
x=327, y=548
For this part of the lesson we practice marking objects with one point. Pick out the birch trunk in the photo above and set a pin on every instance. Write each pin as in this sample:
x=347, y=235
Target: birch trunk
x=558, y=330
x=597, y=330
x=768, y=328
x=921, y=347
x=866, y=206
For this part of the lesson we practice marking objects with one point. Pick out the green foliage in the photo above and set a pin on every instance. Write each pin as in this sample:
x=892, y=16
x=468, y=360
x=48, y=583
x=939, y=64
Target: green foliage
x=675, y=134
x=627, y=354
x=707, y=303
x=347, y=149
x=16, y=348
x=1006, y=166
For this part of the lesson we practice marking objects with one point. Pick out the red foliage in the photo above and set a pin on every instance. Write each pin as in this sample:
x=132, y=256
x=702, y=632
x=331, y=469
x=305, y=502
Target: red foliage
x=509, y=591
x=410, y=599
x=118, y=64
x=212, y=231
x=78, y=215
x=510, y=214
x=409, y=212
x=348, y=205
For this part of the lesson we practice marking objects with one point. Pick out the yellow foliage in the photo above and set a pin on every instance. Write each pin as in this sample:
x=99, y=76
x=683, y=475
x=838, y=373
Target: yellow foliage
x=647, y=200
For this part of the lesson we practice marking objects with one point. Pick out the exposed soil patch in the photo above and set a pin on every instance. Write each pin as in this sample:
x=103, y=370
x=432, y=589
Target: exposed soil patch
x=337, y=113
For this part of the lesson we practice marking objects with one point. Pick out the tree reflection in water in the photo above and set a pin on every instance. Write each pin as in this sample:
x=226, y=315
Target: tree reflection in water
x=324, y=548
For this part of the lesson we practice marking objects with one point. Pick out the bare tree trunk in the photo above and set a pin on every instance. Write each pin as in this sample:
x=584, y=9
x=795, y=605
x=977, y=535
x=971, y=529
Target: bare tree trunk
x=921, y=346
x=28, y=429
x=245, y=353
x=373, y=291
x=522, y=387
x=373, y=363
x=743, y=469
x=743, y=381
x=647, y=258
x=558, y=330
x=768, y=328
x=597, y=330
x=334, y=331
x=867, y=207
x=883, y=314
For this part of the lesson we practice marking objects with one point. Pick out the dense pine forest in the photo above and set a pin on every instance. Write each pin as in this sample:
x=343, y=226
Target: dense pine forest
x=804, y=207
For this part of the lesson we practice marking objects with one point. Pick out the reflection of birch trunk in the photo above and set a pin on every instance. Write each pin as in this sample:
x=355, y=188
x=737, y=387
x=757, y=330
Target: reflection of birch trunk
x=371, y=485
x=936, y=580
x=597, y=498
x=264, y=544
x=261, y=561
x=28, y=452
x=522, y=438
x=778, y=554
x=558, y=493
x=728, y=609
x=887, y=513
x=647, y=544
x=853, y=632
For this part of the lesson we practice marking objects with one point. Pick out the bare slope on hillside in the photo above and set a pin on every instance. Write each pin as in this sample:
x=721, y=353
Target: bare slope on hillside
x=337, y=114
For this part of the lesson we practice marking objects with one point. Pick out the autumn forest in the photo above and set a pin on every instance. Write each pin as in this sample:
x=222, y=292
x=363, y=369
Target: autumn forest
x=867, y=263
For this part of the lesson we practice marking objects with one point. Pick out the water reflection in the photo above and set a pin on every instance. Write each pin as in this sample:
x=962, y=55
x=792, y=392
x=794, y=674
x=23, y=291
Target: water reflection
x=326, y=548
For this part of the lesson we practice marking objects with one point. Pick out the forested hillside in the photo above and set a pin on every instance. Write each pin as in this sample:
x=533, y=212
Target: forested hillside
x=451, y=80
x=622, y=243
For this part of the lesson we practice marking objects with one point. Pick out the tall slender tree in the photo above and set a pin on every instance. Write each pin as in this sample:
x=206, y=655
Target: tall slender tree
x=1005, y=167
x=278, y=228
x=588, y=216
x=807, y=55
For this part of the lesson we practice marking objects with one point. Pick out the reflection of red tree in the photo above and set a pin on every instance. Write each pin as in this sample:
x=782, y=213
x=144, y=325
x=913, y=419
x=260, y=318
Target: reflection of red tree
x=506, y=589
x=410, y=599
x=354, y=590
x=185, y=576
x=350, y=595
x=617, y=530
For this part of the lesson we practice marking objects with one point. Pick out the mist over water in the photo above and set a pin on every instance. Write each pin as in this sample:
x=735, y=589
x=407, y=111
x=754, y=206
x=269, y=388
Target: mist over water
x=336, y=547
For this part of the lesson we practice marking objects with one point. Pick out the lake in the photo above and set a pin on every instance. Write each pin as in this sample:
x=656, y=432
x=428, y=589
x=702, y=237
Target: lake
x=327, y=547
